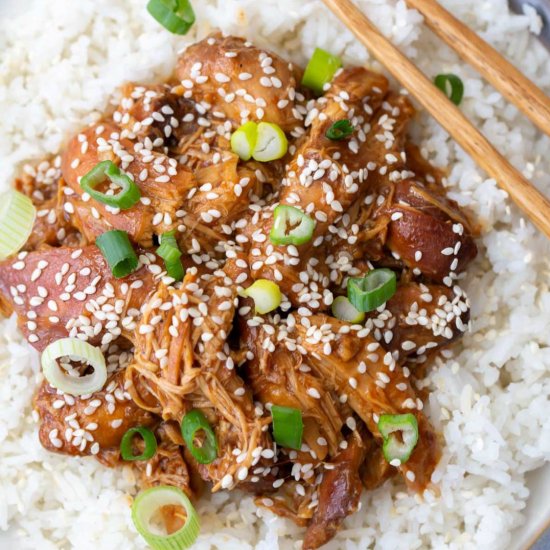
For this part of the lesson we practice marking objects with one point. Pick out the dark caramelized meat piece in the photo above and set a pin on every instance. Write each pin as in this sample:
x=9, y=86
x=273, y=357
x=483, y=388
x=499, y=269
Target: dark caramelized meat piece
x=425, y=214
x=339, y=494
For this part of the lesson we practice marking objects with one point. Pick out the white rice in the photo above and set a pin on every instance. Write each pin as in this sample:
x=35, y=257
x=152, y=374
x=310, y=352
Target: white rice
x=59, y=64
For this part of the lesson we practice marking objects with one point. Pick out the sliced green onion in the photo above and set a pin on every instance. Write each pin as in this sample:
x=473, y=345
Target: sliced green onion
x=76, y=350
x=243, y=140
x=341, y=129
x=291, y=226
x=266, y=295
x=146, y=510
x=400, y=435
x=118, y=251
x=320, y=70
x=264, y=142
x=126, y=450
x=373, y=290
x=17, y=215
x=177, y=16
x=344, y=311
x=288, y=427
x=170, y=252
x=193, y=422
x=271, y=143
x=451, y=86
x=107, y=170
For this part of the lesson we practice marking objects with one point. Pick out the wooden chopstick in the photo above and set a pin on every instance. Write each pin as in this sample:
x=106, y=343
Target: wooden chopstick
x=533, y=203
x=512, y=84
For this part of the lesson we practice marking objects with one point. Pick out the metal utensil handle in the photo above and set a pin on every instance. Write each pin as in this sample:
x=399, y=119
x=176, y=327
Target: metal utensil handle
x=543, y=9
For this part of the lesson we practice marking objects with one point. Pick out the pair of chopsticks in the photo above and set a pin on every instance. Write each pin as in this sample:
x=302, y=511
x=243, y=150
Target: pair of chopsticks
x=513, y=85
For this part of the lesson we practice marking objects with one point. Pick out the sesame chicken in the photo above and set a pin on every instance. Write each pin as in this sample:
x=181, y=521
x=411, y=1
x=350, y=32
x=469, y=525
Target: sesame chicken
x=183, y=334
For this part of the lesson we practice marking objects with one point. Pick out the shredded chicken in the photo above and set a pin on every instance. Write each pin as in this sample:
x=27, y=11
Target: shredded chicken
x=198, y=344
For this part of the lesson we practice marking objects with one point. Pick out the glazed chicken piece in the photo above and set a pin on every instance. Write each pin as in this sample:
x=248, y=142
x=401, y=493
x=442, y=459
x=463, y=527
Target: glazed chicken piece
x=54, y=301
x=241, y=81
x=223, y=192
x=183, y=361
x=339, y=494
x=323, y=179
x=280, y=377
x=418, y=213
x=44, y=186
x=421, y=317
x=88, y=426
x=360, y=234
x=356, y=365
x=163, y=183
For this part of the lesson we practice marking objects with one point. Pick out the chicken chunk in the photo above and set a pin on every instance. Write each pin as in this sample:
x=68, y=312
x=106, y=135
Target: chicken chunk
x=157, y=116
x=360, y=235
x=355, y=365
x=375, y=470
x=323, y=180
x=279, y=376
x=241, y=80
x=163, y=183
x=184, y=361
x=71, y=292
x=167, y=467
x=88, y=426
x=45, y=187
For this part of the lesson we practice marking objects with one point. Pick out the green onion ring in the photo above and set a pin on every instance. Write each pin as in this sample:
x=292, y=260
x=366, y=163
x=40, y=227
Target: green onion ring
x=17, y=215
x=82, y=351
x=291, y=226
x=456, y=92
x=149, y=503
x=193, y=422
x=266, y=294
x=320, y=70
x=288, y=426
x=343, y=310
x=370, y=292
x=340, y=130
x=118, y=251
x=170, y=252
x=393, y=448
x=149, y=439
x=107, y=170
x=177, y=16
